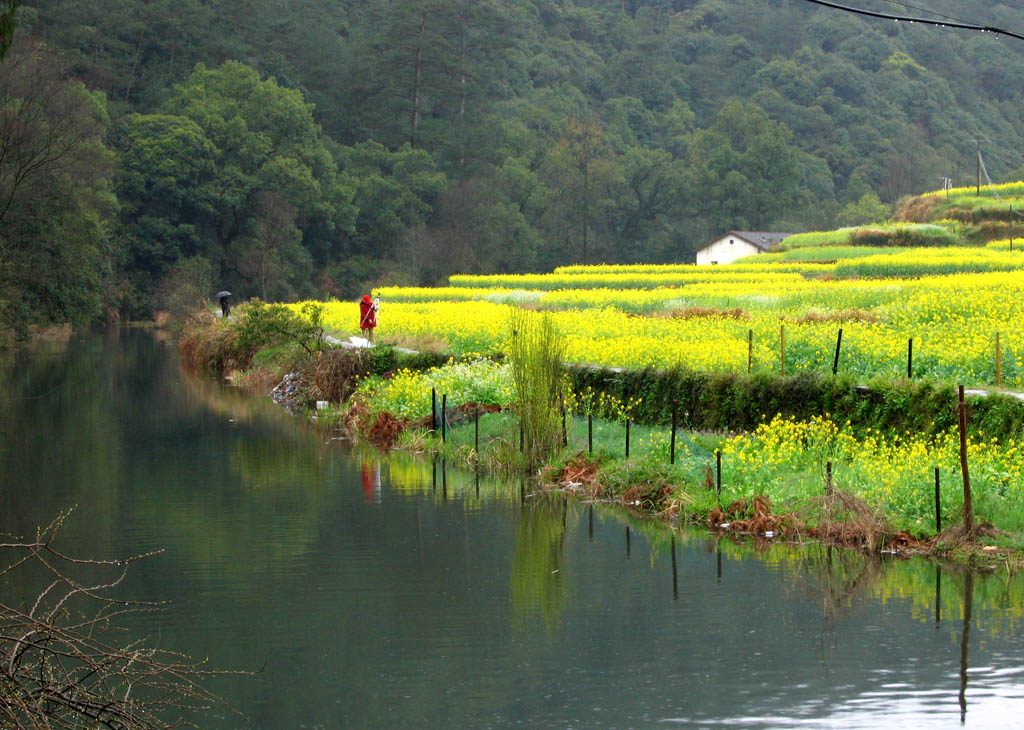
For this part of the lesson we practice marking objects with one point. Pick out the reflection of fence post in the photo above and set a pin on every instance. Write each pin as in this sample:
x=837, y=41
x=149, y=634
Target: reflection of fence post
x=965, y=641
x=675, y=575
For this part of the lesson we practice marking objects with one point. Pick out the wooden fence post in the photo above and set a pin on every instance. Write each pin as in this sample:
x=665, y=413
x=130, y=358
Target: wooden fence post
x=968, y=506
x=839, y=342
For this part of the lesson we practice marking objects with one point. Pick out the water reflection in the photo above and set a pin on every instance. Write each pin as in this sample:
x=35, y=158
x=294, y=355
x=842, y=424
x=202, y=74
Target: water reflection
x=965, y=642
x=538, y=581
x=386, y=591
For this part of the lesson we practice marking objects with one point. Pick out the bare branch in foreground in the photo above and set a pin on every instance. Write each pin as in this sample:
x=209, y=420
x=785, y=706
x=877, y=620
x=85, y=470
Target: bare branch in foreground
x=65, y=662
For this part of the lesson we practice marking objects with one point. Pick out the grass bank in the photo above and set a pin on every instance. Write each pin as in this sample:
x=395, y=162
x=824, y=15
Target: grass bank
x=804, y=457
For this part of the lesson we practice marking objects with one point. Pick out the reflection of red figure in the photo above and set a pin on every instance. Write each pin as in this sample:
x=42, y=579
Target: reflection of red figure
x=371, y=483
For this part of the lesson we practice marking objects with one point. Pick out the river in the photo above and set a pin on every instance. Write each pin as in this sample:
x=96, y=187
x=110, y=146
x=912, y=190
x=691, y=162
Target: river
x=394, y=592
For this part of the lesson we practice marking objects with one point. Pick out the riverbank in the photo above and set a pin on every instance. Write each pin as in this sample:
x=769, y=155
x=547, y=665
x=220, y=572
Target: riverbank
x=625, y=455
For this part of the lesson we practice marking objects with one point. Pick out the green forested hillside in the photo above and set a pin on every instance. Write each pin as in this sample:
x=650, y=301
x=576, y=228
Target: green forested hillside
x=284, y=148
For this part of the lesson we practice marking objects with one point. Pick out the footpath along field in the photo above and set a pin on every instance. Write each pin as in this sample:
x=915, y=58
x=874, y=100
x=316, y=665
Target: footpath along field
x=964, y=325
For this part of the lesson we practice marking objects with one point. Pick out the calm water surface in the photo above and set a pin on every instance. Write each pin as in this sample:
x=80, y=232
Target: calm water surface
x=393, y=593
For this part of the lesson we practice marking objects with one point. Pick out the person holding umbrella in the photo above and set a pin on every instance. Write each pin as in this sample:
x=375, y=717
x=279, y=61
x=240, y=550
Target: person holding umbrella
x=225, y=302
x=367, y=317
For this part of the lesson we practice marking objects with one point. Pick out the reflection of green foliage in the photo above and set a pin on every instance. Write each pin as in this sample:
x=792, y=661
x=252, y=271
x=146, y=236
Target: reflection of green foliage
x=845, y=580
x=411, y=474
x=538, y=583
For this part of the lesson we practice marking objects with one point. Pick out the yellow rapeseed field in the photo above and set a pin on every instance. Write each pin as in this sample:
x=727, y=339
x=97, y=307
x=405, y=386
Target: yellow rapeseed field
x=953, y=321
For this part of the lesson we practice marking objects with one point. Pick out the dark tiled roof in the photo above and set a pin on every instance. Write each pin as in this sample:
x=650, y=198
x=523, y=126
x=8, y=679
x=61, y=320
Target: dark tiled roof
x=765, y=240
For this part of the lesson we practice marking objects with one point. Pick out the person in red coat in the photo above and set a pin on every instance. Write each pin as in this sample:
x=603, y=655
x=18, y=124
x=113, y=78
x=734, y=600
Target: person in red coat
x=367, y=317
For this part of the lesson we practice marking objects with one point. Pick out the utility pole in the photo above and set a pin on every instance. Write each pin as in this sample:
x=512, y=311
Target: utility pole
x=977, y=184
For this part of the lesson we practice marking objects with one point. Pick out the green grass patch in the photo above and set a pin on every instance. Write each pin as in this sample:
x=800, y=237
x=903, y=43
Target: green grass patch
x=945, y=233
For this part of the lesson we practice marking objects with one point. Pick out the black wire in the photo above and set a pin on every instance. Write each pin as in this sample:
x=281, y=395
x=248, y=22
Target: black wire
x=926, y=10
x=923, y=21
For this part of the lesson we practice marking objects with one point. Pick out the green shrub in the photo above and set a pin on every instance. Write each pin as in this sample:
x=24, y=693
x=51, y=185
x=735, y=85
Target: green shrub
x=735, y=403
x=536, y=355
x=263, y=325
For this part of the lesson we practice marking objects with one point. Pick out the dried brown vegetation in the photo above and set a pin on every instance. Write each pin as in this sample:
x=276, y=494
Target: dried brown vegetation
x=843, y=519
x=208, y=345
x=843, y=315
x=337, y=372
x=580, y=474
x=382, y=429
x=698, y=312
x=754, y=516
x=916, y=210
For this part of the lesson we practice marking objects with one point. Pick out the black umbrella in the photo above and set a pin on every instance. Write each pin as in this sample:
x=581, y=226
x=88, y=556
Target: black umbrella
x=222, y=294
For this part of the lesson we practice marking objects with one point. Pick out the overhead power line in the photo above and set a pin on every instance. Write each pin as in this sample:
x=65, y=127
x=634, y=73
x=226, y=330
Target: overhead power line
x=926, y=10
x=923, y=21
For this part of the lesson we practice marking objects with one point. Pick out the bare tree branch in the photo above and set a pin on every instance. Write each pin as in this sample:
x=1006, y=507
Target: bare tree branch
x=63, y=662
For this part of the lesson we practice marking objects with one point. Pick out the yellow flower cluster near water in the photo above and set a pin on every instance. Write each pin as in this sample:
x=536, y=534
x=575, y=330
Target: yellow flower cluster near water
x=406, y=394
x=892, y=472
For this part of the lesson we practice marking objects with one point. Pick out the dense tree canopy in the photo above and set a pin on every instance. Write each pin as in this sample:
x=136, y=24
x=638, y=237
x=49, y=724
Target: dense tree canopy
x=233, y=169
x=324, y=145
x=56, y=202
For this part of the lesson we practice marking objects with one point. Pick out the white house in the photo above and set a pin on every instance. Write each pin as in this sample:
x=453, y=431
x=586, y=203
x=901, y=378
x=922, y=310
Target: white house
x=737, y=244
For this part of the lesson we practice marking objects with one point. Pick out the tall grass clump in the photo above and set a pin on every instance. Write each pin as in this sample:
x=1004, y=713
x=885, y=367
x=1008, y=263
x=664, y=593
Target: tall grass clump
x=536, y=355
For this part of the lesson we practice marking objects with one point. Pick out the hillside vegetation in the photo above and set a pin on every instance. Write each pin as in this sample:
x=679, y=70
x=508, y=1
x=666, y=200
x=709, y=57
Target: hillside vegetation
x=289, y=150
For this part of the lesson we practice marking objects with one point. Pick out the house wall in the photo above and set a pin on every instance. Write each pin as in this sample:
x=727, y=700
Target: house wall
x=725, y=250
